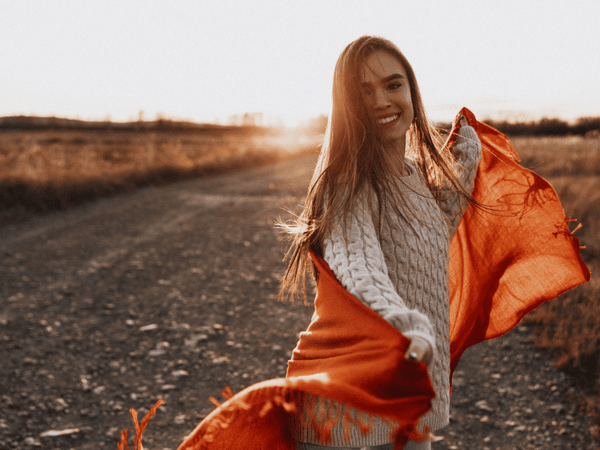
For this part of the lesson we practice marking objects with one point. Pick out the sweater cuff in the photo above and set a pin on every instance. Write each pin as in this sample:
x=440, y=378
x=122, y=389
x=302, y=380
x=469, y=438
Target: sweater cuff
x=412, y=323
x=468, y=132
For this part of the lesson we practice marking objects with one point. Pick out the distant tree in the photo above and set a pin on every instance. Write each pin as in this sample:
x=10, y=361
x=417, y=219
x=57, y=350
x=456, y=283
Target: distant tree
x=544, y=127
x=551, y=127
x=252, y=119
x=318, y=124
x=587, y=126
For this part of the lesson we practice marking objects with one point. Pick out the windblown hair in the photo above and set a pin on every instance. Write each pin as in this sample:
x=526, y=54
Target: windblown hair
x=352, y=157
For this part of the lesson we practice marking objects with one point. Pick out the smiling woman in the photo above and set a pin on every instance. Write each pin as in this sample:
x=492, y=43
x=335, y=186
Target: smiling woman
x=384, y=200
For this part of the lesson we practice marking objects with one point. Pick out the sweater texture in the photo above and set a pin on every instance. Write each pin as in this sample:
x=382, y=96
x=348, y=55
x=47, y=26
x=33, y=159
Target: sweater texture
x=402, y=274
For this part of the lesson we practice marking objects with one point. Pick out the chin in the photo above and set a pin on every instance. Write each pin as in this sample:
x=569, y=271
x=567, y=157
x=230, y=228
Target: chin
x=396, y=138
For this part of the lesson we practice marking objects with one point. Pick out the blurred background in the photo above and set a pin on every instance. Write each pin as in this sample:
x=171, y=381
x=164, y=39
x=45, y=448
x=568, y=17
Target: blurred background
x=207, y=61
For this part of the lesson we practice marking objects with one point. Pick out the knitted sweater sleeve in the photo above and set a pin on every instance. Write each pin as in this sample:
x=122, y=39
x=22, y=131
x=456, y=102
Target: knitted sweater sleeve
x=467, y=152
x=357, y=260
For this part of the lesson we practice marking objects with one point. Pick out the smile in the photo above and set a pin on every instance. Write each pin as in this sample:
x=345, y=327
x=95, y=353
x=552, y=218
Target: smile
x=388, y=119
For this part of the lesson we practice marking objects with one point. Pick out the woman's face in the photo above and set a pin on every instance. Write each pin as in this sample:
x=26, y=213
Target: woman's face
x=387, y=91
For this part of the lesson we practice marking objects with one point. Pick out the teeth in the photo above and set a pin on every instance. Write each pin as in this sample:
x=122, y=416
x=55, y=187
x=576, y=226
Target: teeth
x=387, y=120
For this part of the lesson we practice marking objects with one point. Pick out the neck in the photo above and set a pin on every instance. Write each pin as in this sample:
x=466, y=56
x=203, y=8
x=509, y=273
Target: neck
x=396, y=156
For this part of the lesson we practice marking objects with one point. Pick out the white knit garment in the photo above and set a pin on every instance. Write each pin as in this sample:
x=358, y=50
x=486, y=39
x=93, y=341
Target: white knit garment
x=403, y=276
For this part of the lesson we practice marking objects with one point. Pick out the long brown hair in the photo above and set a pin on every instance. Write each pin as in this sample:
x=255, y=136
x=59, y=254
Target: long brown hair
x=351, y=158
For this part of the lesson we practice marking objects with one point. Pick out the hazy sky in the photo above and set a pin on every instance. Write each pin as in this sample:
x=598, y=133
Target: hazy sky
x=204, y=60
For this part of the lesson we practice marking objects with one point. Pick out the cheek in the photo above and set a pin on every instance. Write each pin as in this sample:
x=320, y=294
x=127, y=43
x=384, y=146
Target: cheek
x=405, y=100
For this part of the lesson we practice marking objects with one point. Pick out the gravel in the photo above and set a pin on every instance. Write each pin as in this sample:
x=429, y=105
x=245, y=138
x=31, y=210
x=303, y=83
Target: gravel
x=171, y=293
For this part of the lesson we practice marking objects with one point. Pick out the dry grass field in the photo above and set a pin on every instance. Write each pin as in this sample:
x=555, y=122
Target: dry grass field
x=46, y=170
x=569, y=327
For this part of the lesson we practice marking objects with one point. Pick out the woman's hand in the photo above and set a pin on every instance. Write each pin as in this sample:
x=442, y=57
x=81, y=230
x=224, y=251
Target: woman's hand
x=418, y=350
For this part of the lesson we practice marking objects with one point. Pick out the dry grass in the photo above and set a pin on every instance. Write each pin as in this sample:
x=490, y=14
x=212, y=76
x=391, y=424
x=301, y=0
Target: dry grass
x=45, y=170
x=569, y=327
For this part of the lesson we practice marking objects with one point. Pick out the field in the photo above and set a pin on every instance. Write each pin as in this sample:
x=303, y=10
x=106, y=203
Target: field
x=47, y=170
x=569, y=327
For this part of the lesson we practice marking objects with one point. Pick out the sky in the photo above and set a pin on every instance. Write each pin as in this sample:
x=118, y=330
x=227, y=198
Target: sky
x=207, y=60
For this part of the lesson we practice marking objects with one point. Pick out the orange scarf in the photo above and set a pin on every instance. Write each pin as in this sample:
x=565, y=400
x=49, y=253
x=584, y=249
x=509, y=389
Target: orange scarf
x=506, y=262
x=503, y=264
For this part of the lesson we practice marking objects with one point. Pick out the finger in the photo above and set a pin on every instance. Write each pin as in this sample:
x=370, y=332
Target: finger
x=413, y=356
x=415, y=352
x=463, y=120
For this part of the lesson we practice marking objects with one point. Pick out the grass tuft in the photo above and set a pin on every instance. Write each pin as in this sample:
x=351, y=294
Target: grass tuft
x=46, y=170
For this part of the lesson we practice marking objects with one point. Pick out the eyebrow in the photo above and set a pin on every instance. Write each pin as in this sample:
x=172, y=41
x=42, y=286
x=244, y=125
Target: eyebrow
x=385, y=80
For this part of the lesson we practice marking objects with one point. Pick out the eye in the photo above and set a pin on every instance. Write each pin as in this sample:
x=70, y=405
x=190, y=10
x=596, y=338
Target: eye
x=394, y=86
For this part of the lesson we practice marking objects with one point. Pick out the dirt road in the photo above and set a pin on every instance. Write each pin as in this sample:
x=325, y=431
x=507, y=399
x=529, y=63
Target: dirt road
x=170, y=293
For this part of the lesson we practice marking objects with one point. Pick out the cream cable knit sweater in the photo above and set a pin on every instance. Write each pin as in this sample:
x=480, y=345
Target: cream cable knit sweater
x=403, y=276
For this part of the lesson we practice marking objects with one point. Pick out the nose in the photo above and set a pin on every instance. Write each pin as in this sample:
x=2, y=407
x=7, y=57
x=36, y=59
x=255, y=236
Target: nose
x=380, y=100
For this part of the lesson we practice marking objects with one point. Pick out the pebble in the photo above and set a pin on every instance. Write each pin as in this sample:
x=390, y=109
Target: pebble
x=54, y=433
x=193, y=340
x=32, y=442
x=160, y=349
x=180, y=419
x=60, y=404
x=483, y=405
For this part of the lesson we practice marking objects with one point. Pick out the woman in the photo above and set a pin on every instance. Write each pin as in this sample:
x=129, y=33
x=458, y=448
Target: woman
x=384, y=201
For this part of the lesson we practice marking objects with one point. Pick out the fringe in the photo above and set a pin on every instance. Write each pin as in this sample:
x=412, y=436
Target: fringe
x=139, y=428
x=229, y=412
x=320, y=417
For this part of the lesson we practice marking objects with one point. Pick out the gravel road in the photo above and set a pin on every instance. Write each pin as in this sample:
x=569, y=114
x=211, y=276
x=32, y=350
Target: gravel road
x=170, y=293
